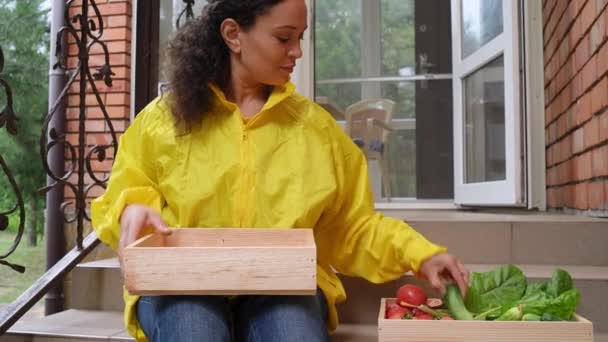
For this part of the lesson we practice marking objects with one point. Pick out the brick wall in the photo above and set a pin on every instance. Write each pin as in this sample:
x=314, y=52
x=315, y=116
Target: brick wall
x=575, y=34
x=117, y=35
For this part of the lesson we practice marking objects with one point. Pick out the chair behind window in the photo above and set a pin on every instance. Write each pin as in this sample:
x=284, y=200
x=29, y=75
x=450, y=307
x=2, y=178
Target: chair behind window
x=368, y=123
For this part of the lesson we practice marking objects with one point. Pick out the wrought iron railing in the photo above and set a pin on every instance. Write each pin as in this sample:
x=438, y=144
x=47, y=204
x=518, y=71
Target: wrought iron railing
x=86, y=32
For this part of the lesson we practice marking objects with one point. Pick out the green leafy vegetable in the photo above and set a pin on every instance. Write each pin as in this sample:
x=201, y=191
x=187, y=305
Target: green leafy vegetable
x=560, y=282
x=504, y=285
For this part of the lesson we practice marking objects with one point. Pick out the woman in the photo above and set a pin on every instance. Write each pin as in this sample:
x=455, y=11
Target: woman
x=232, y=145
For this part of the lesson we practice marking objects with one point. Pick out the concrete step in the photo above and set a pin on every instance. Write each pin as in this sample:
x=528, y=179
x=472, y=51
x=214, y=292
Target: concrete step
x=103, y=279
x=82, y=325
x=70, y=326
x=85, y=325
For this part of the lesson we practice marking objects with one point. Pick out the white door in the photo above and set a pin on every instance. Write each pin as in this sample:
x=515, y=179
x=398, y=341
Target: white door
x=487, y=103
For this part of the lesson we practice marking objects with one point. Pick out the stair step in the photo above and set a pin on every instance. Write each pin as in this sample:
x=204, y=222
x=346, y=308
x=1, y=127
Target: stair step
x=531, y=271
x=83, y=325
x=79, y=325
x=72, y=325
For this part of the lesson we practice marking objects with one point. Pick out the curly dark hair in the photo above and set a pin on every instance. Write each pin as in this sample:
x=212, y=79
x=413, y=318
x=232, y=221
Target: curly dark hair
x=197, y=56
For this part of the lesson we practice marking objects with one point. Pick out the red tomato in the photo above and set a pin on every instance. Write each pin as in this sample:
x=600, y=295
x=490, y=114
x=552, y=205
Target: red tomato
x=411, y=296
x=395, y=311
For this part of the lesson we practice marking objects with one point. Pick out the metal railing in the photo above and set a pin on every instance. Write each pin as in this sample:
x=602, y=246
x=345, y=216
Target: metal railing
x=86, y=32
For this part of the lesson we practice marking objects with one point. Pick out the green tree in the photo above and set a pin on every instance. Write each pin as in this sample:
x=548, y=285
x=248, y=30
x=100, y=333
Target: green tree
x=25, y=41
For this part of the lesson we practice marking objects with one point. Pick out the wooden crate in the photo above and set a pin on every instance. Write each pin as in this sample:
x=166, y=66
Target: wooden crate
x=222, y=261
x=394, y=330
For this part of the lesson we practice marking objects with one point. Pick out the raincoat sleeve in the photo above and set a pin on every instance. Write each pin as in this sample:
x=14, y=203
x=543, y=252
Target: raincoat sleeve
x=359, y=241
x=132, y=180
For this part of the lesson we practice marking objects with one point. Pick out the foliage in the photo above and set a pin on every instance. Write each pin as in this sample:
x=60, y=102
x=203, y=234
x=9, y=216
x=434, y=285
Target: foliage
x=25, y=41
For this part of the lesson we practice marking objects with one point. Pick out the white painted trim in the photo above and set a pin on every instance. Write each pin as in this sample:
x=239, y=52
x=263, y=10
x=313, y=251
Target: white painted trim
x=420, y=77
x=535, y=104
x=507, y=192
x=406, y=203
x=371, y=47
x=303, y=75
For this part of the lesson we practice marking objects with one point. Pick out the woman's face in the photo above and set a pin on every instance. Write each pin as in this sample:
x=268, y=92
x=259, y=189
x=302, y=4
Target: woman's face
x=269, y=49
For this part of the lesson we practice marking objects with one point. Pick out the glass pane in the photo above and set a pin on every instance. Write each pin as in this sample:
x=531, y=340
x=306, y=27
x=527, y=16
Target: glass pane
x=481, y=22
x=169, y=12
x=485, y=123
x=398, y=38
x=337, y=39
x=412, y=155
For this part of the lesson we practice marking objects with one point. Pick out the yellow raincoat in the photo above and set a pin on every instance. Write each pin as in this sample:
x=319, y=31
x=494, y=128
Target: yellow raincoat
x=289, y=166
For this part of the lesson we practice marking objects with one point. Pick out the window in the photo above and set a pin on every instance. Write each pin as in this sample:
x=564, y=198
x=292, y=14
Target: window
x=397, y=51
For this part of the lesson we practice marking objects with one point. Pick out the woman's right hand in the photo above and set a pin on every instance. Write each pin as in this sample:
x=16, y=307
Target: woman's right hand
x=134, y=220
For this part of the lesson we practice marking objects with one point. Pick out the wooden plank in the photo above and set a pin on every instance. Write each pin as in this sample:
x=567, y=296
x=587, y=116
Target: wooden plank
x=391, y=330
x=220, y=261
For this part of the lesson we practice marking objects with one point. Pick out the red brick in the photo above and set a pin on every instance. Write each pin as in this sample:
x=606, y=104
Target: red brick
x=549, y=158
x=600, y=161
x=580, y=196
x=117, y=46
x=552, y=198
x=582, y=167
x=118, y=125
x=565, y=172
x=584, y=109
x=599, y=95
x=596, y=36
x=568, y=196
x=602, y=61
x=603, y=127
x=100, y=139
x=95, y=126
x=589, y=14
x=592, y=132
x=565, y=148
x=552, y=176
x=596, y=195
x=117, y=99
x=116, y=33
x=118, y=21
x=578, y=140
x=120, y=8
x=589, y=73
x=115, y=112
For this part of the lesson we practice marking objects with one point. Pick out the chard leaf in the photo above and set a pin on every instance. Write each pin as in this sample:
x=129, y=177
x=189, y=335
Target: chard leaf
x=560, y=282
x=560, y=308
x=535, y=288
x=498, y=287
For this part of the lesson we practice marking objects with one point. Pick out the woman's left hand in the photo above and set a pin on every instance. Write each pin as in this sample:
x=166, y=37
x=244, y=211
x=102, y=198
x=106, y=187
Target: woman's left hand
x=444, y=266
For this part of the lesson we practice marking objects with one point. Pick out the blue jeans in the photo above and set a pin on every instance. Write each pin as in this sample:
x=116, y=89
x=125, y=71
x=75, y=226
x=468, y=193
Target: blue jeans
x=244, y=318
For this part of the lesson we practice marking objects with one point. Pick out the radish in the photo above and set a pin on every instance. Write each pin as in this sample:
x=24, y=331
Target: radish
x=434, y=303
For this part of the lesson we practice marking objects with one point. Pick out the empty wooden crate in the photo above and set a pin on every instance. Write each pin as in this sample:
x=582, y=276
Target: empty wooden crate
x=393, y=330
x=222, y=261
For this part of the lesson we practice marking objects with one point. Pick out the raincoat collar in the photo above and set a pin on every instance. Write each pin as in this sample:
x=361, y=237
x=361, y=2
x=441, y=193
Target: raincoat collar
x=279, y=93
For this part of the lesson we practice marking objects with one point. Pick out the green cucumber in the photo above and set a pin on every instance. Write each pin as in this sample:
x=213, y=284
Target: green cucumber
x=455, y=304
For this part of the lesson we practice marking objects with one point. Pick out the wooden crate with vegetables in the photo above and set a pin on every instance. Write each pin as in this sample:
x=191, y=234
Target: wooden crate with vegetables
x=220, y=261
x=500, y=306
